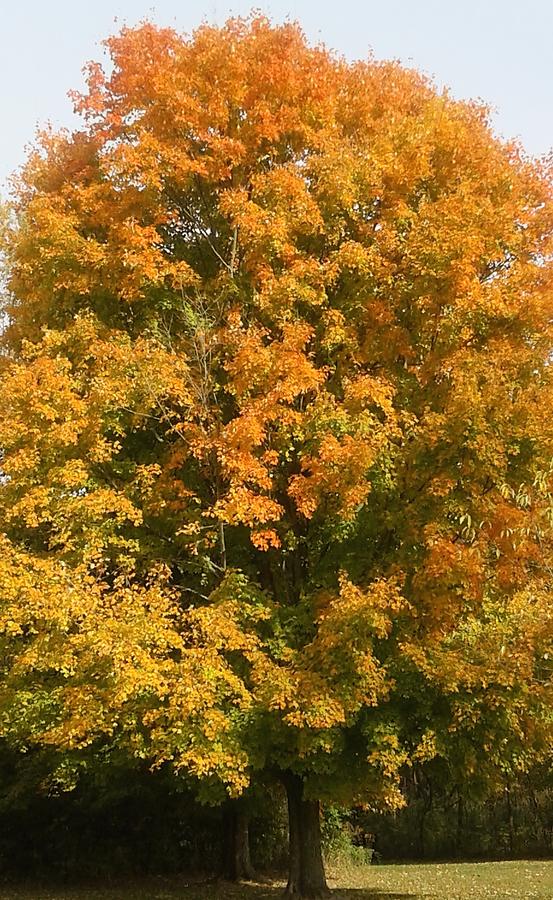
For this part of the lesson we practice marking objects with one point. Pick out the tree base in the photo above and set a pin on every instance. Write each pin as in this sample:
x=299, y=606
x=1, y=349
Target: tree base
x=315, y=894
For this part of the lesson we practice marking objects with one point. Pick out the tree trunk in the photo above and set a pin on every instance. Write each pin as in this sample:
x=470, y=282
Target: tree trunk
x=460, y=826
x=306, y=877
x=294, y=851
x=238, y=866
x=510, y=820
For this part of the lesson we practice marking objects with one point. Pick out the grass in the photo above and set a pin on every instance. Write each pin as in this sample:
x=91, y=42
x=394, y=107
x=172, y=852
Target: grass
x=524, y=880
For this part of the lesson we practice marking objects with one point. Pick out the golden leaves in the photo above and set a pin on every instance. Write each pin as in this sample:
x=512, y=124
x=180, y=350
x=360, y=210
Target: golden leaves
x=335, y=473
x=271, y=302
x=98, y=647
x=244, y=506
x=264, y=539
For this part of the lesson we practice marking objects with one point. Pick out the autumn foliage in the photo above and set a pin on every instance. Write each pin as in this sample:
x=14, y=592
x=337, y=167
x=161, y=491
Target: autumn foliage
x=276, y=424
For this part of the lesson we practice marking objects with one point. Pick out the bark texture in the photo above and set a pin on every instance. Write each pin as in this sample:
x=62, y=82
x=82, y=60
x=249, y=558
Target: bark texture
x=306, y=875
x=238, y=865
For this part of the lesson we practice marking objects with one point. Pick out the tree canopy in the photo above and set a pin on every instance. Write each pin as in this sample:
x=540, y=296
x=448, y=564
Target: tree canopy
x=276, y=425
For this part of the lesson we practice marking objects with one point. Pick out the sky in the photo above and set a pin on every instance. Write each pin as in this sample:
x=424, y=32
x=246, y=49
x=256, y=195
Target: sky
x=496, y=50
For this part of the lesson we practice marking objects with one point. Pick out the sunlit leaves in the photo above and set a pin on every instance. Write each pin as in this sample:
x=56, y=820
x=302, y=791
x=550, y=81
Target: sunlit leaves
x=275, y=418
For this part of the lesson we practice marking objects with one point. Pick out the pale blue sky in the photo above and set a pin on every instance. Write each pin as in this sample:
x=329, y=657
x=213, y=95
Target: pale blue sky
x=498, y=50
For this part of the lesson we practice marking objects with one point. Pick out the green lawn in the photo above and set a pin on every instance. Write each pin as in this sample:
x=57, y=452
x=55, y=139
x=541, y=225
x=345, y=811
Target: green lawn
x=453, y=881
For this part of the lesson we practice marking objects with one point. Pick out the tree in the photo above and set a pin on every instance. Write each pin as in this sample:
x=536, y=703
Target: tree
x=277, y=370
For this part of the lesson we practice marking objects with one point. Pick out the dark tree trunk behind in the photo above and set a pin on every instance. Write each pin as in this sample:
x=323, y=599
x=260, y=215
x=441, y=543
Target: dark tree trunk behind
x=510, y=820
x=306, y=877
x=238, y=866
x=460, y=842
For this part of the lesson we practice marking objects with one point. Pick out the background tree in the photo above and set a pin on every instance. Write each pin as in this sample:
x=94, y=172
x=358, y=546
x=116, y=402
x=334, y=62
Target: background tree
x=277, y=370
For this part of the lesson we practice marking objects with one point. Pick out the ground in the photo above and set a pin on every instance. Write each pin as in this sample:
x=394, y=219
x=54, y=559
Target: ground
x=524, y=880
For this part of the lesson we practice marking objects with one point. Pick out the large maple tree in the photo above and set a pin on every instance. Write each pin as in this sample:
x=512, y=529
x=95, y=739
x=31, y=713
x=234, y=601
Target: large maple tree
x=276, y=425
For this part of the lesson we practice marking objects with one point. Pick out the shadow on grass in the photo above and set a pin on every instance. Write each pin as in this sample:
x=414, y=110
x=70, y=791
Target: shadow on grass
x=258, y=891
x=199, y=890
